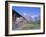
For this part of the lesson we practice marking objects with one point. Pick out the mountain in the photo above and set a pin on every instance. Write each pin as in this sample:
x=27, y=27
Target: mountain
x=32, y=18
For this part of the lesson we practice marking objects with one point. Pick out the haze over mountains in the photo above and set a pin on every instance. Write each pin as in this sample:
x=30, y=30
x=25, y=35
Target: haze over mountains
x=32, y=18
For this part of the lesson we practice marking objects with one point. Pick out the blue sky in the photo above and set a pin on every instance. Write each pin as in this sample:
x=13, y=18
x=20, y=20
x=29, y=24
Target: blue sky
x=27, y=10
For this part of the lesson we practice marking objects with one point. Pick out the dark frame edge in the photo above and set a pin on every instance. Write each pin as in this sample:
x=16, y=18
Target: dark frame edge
x=26, y=2
x=44, y=18
x=6, y=18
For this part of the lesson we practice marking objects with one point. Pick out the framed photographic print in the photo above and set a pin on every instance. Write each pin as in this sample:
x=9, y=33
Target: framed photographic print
x=24, y=18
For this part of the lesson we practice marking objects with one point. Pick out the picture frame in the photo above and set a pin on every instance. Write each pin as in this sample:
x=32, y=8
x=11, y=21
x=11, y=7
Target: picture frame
x=37, y=8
